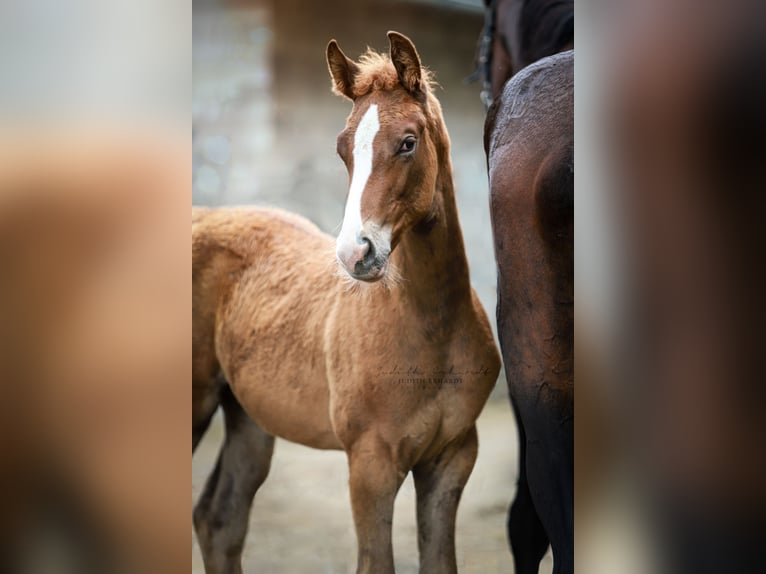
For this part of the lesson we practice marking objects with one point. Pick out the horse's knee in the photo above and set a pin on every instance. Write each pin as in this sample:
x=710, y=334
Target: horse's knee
x=374, y=479
x=208, y=530
x=466, y=454
x=201, y=522
x=207, y=516
x=455, y=463
x=373, y=474
x=255, y=475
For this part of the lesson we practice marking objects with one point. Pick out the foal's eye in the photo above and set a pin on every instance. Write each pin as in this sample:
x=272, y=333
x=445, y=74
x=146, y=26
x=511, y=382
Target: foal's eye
x=407, y=145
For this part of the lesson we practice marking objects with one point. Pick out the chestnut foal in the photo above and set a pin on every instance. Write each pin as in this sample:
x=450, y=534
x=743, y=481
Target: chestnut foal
x=391, y=362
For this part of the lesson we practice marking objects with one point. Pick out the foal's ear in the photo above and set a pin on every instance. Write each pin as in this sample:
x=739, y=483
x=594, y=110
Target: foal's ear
x=406, y=61
x=342, y=69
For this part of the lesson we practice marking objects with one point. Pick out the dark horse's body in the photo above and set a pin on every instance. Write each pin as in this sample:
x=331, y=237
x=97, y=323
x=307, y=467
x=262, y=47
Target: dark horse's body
x=529, y=140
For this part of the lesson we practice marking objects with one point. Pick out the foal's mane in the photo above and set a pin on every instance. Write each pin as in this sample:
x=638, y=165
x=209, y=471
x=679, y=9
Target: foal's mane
x=377, y=73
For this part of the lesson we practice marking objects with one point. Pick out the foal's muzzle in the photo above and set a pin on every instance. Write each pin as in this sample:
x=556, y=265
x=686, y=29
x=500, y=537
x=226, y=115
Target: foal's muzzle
x=365, y=259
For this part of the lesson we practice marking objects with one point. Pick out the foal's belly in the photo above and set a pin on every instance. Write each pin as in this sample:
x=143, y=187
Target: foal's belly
x=291, y=406
x=282, y=386
x=279, y=382
x=274, y=363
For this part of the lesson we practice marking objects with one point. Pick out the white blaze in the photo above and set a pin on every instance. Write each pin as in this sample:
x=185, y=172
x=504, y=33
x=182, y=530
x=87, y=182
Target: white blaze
x=352, y=219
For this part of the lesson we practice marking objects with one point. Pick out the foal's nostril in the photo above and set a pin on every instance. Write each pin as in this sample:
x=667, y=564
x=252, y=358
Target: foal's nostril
x=364, y=246
x=369, y=251
x=366, y=255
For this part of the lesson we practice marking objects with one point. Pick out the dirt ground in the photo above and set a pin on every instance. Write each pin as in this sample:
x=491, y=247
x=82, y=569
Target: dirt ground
x=301, y=521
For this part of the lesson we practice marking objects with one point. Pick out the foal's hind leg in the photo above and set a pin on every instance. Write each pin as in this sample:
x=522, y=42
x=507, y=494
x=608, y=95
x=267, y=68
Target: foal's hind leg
x=205, y=399
x=439, y=484
x=222, y=513
x=525, y=531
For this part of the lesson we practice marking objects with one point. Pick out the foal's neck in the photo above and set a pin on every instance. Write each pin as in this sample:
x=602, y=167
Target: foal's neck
x=431, y=256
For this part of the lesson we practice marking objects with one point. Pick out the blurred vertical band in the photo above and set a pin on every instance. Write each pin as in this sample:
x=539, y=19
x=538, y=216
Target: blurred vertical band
x=671, y=463
x=95, y=184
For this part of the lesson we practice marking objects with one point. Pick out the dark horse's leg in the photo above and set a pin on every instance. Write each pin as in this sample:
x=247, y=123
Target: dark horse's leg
x=222, y=512
x=549, y=427
x=526, y=534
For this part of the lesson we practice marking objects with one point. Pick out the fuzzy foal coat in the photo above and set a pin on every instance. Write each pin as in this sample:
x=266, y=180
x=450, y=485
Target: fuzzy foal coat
x=318, y=363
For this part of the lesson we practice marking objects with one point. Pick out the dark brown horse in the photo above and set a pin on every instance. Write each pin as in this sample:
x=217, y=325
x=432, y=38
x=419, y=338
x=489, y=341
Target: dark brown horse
x=529, y=140
x=517, y=33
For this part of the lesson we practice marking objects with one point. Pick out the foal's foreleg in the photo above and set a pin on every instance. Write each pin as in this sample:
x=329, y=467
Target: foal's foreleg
x=374, y=480
x=222, y=513
x=439, y=484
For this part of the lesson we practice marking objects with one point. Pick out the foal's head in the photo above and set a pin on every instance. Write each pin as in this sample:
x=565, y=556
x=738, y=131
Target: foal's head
x=389, y=146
